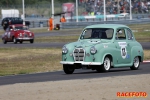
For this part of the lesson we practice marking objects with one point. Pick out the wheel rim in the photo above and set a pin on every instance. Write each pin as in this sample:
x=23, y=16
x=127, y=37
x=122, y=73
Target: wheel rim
x=136, y=62
x=107, y=64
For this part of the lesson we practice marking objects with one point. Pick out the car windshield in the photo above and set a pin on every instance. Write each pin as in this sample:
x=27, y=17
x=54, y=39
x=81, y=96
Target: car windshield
x=97, y=33
x=21, y=28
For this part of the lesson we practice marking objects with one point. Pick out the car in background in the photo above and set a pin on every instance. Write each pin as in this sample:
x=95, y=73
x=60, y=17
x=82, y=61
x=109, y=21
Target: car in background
x=12, y=20
x=17, y=33
x=101, y=47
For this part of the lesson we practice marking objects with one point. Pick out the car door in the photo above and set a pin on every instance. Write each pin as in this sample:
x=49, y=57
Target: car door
x=130, y=43
x=8, y=34
x=123, y=55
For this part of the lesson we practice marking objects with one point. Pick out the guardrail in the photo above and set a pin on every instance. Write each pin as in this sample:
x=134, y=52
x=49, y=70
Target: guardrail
x=83, y=24
x=89, y=20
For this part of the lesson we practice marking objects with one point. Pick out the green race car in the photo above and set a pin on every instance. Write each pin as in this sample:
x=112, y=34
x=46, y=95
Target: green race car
x=101, y=47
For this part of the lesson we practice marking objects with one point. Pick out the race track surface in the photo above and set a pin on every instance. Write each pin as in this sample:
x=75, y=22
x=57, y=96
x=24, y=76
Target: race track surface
x=146, y=45
x=34, y=45
x=78, y=74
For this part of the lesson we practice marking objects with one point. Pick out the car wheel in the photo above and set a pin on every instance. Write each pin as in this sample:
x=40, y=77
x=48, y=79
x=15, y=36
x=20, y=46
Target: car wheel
x=68, y=69
x=32, y=41
x=136, y=63
x=14, y=40
x=105, y=67
x=4, y=41
x=21, y=42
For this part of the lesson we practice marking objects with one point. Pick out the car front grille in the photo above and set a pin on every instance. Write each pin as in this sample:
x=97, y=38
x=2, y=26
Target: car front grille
x=25, y=35
x=79, y=54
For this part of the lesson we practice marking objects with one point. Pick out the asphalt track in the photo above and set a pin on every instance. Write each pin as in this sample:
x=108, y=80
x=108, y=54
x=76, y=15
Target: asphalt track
x=78, y=74
x=34, y=45
x=146, y=45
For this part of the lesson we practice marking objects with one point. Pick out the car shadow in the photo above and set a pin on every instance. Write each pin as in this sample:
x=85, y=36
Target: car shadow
x=111, y=71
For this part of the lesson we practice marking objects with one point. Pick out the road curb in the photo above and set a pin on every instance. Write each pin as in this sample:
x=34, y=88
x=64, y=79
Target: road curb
x=146, y=61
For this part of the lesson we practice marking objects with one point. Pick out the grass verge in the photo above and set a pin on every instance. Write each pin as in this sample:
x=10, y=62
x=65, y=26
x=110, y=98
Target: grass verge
x=31, y=60
x=25, y=60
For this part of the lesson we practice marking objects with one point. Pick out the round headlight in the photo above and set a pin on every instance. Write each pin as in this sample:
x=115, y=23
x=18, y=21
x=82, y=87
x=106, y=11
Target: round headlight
x=64, y=49
x=30, y=34
x=93, y=50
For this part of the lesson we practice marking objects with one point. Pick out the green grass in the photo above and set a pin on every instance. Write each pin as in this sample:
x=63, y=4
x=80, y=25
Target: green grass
x=142, y=36
x=25, y=60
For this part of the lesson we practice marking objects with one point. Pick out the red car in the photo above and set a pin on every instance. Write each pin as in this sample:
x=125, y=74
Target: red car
x=17, y=33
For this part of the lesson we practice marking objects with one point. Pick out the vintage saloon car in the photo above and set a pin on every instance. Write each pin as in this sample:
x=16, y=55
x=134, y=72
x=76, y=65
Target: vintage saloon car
x=101, y=47
x=17, y=33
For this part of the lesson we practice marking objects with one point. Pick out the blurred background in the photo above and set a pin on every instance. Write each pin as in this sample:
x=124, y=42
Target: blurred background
x=41, y=10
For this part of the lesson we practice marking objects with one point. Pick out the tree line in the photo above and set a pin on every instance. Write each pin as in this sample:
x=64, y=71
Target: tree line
x=19, y=2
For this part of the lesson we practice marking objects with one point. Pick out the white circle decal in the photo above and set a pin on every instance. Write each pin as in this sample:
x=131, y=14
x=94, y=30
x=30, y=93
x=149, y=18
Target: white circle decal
x=123, y=52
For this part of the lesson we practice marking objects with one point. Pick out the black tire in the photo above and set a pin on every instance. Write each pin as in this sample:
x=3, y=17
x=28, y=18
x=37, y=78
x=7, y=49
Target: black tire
x=21, y=42
x=4, y=41
x=15, y=40
x=136, y=63
x=32, y=41
x=68, y=69
x=105, y=67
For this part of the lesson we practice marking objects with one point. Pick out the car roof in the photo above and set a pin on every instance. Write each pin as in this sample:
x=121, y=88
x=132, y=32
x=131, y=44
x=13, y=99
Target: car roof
x=106, y=26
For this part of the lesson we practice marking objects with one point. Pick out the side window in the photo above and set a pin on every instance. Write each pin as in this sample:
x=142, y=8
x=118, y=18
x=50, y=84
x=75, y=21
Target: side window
x=129, y=34
x=109, y=33
x=120, y=34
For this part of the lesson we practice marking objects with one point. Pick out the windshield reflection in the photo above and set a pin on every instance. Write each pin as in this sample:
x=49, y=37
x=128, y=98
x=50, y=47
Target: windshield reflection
x=97, y=33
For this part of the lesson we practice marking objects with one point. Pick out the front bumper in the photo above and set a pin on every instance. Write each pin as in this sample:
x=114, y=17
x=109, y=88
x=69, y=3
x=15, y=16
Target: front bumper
x=25, y=38
x=82, y=63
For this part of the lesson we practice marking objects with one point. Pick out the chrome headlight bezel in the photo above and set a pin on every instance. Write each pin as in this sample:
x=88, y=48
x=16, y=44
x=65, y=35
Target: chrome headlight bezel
x=64, y=50
x=93, y=50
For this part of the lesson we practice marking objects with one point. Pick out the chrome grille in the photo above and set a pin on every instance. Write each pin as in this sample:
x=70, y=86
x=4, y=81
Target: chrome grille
x=25, y=35
x=79, y=54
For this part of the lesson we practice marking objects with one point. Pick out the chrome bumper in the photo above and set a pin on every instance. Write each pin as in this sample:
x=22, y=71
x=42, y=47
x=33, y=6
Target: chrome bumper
x=27, y=38
x=82, y=63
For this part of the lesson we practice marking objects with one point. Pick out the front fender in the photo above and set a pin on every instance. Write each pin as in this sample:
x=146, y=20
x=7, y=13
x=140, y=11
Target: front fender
x=100, y=56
